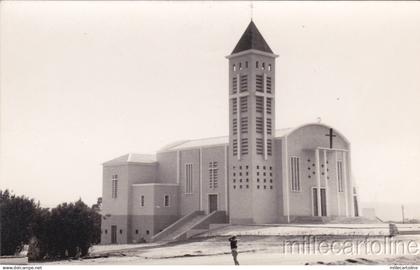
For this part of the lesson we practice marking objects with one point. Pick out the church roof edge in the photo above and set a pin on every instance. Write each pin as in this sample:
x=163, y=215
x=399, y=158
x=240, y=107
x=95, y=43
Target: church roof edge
x=224, y=140
x=288, y=131
x=252, y=51
x=131, y=158
x=203, y=142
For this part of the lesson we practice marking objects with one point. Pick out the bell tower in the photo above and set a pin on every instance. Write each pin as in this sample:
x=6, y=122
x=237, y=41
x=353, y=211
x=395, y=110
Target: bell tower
x=252, y=183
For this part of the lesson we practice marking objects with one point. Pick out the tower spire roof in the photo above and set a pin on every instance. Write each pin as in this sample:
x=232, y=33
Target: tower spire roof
x=252, y=39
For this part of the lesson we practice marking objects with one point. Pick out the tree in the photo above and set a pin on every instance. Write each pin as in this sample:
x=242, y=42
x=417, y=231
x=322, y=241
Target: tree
x=41, y=239
x=97, y=219
x=16, y=220
x=72, y=227
x=68, y=230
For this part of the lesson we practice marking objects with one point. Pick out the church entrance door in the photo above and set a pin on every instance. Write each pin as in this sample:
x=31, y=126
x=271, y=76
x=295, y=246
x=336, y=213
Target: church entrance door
x=323, y=202
x=212, y=203
x=113, y=234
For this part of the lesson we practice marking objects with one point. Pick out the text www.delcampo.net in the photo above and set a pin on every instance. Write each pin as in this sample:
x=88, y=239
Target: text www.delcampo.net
x=21, y=267
x=315, y=245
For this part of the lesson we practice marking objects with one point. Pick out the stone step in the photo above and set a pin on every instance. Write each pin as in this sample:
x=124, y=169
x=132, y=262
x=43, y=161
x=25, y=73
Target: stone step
x=309, y=220
x=184, y=228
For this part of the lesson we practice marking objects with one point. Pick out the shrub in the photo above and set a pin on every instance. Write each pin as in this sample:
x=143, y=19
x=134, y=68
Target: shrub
x=71, y=227
x=68, y=230
x=16, y=220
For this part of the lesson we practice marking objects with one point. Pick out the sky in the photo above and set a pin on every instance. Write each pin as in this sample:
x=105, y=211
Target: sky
x=85, y=82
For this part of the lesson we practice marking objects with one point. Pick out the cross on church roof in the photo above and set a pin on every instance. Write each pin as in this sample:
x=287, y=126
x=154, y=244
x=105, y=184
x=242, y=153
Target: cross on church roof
x=331, y=135
x=252, y=10
x=252, y=39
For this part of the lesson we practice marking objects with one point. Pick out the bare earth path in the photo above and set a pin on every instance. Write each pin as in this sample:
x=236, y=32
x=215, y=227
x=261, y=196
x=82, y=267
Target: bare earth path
x=254, y=250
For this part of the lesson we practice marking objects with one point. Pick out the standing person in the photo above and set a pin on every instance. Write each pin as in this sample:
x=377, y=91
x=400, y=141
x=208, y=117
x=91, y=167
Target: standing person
x=234, y=247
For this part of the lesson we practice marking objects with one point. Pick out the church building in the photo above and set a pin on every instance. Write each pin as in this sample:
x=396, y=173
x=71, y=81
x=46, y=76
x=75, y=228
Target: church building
x=256, y=175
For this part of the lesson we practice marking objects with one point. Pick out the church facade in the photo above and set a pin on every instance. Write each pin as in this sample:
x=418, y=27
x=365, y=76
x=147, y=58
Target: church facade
x=256, y=175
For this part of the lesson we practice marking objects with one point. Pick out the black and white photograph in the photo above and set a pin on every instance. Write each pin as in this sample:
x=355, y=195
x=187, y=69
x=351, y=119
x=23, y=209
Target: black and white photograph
x=209, y=133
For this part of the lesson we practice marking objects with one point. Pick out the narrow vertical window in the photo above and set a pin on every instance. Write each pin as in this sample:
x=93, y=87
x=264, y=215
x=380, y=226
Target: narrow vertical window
x=244, y=146
x=260, y=147
x=340, y=176
x=257, y=64
x=259, y=124
x=244, y=104
x=244, y=83
x=235, y=147
x=114, y=186
x=268, y=85
x=269, y=147
x=142, y=200
x=269, y=105
x=244, y=125
x=234, y=67
x=259, y=83
x=259, y=104
x=188, y=178
x=234, y=85
x=166, y=201
x=269, y=126
x=240, y=66
x=213, y=174
x=246, y=64
x=234, y=126
x=294, y=170
x=269, y=67
x=263, y=66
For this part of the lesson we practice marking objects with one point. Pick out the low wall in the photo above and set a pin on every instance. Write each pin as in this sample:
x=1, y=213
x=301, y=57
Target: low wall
x=13, y=260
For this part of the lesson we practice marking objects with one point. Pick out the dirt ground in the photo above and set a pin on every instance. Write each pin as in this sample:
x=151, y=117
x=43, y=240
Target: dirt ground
x=258, y=250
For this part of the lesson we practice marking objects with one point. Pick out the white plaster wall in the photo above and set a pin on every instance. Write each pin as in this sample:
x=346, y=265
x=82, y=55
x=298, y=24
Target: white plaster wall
x=189, y=202
x=211, y=154
x=302, y=143
x=119, y=205
x=167, y=167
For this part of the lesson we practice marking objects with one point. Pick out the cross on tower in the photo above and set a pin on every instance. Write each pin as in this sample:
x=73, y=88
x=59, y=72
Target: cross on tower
x=252, y=10
x=331, y=135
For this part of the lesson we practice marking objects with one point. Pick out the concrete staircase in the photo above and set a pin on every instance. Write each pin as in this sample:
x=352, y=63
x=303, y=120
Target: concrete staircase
x=168, y=233
x=181, y=230
x=189, y=225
